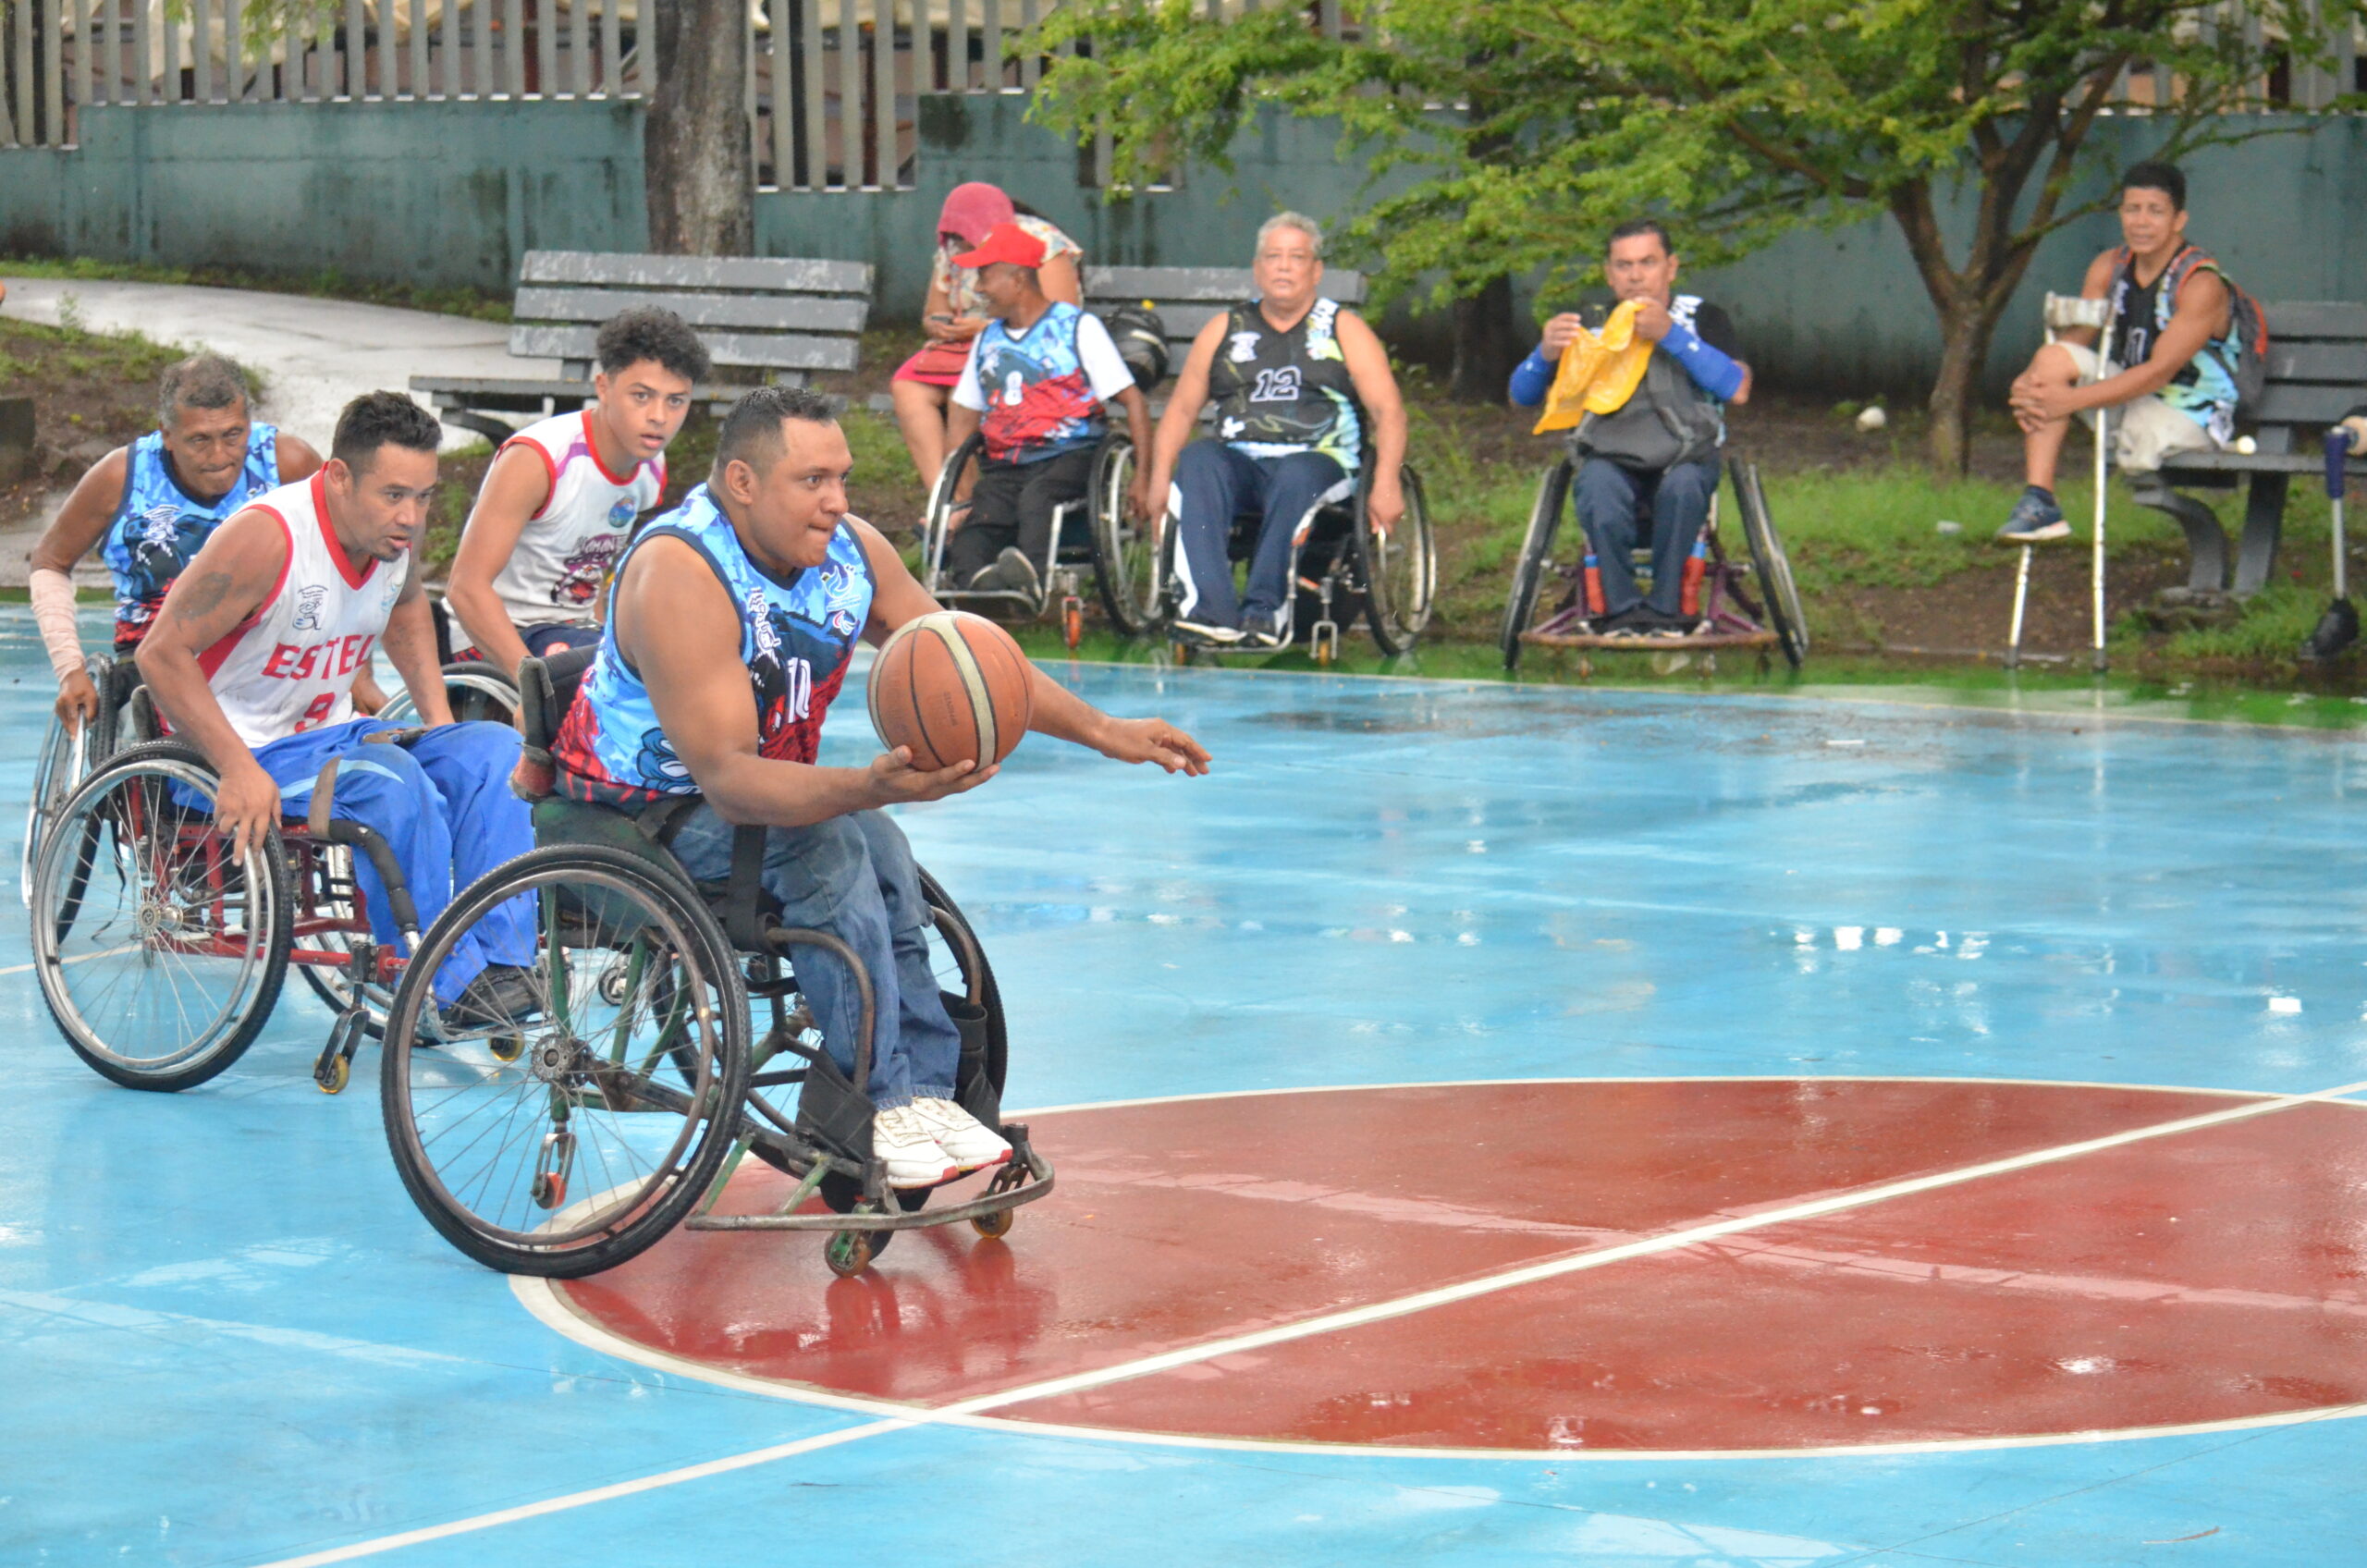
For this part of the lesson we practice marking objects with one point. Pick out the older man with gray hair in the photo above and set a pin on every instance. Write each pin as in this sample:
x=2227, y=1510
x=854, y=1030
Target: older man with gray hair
x=1295, y=378
x=149, y=507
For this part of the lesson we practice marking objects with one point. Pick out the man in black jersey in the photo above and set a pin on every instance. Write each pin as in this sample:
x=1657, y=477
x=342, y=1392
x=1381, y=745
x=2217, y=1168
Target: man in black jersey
x=1648, y=470
x=1294, y=376
x=2166, y=370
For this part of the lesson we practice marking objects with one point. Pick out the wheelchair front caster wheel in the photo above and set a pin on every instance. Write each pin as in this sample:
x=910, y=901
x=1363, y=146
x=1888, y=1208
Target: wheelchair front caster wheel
x=848, y=1253
x=332, y=1074
x=550, y=1190
x=507, y=1048
x=995, y=1226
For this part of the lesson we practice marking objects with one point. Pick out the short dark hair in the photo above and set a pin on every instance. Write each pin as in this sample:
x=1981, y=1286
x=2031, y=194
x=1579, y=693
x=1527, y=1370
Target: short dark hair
x=381, y=419
x=2163, y=177
x=751, y=431
x=648, y=333
x=202, y=381
x=1635, y=226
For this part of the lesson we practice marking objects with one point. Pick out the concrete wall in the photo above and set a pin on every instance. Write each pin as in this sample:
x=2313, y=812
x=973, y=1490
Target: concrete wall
x=438, y=194
x=453, y=193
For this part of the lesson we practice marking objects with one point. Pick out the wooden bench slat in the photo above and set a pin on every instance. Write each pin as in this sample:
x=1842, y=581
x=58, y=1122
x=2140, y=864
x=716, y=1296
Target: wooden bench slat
x=1165, y=286
x=456, y=391
x=790, y=312
x=2315, y=318
x=792, y=274
x=2303, y=403
x=787, y=351
x=2306, y=361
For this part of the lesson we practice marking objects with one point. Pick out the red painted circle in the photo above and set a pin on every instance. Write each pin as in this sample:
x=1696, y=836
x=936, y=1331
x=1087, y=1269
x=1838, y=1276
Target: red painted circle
x=2209, y=1276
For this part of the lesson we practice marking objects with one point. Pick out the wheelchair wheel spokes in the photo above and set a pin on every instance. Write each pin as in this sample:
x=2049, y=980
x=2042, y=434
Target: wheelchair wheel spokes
x=1401, y=572
x=159, y=954
x=64, y=756
x=577, y=1125
x=334, y=920
x=1125, y=549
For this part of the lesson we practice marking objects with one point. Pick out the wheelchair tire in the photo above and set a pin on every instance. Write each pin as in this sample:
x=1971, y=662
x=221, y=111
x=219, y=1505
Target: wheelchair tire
x=637, y=1087
x=473, y=689
x=1126, y=552
x=1536, y=557
x=115, y=882
x=1400, y=569
x=1772, y=566
x=64, y=760
x=937, y=521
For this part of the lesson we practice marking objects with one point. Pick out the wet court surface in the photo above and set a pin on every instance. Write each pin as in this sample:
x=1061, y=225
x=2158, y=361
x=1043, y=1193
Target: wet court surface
x=1918, y=1149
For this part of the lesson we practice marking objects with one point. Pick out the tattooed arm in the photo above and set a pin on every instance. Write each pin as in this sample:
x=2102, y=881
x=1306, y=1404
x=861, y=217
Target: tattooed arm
x=219, y=593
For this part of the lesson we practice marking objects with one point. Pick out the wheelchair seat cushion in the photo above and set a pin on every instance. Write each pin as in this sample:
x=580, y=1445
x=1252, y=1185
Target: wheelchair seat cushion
x=561, y=821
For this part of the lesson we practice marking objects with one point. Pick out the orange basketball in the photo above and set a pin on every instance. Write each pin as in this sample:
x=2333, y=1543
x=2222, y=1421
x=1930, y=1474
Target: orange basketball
x=954, y=688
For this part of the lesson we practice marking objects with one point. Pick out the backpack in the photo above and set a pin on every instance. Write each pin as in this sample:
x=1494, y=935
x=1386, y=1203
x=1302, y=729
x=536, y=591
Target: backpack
x=2247, y=322
x=1141, y=339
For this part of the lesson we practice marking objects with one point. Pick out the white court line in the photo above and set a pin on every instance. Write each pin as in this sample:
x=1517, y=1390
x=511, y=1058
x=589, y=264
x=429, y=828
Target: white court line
x=1334, y=1322
x=78, y=958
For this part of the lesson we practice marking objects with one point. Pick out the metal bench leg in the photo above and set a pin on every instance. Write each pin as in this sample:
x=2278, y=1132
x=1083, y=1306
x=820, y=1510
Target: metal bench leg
x=2264, y=524
x=2206, y=541
x=494, y=431
x=2021, y=601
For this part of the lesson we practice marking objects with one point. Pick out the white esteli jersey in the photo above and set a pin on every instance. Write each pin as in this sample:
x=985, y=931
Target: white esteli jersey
x=567, y=548
x=291, y=665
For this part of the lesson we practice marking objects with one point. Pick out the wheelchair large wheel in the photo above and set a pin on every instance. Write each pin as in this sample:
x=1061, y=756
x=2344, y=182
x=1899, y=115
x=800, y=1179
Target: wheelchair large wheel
x=575, y=1130
x=1399, y=568
x=936, y=523
x=1773, y=568
x=159, y=954
x=1536, y=562
x=473, y=689
x=1125, y=550
x=64, y=762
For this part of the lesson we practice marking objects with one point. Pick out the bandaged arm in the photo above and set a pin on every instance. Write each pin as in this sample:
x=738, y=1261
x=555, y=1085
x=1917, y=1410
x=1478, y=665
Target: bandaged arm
x=1532, y=378
x=52, y=594
x=1713, y=372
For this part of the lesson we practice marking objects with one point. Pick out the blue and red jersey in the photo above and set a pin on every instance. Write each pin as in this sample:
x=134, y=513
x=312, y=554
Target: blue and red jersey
x=160, y=526
x=1039, y=399
x=797, y=636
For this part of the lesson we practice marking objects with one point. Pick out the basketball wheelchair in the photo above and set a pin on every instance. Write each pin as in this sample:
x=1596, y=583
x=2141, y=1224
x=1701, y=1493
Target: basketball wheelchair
x=1555, y=600
x=473, y=687
x=159, y=952
x=616, y=1101
x=1343, y=566
x=1095, y=533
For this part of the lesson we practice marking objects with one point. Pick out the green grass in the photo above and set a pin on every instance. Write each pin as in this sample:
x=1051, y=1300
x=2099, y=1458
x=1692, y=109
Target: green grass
x=327, y=284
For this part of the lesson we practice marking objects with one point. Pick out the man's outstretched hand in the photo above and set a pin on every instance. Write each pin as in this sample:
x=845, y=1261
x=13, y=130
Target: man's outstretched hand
x=1152, y=740
x=896, y=780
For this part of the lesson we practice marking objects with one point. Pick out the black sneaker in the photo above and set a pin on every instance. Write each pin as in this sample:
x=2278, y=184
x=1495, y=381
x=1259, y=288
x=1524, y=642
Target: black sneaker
x=501, y=997
x=1633, y=621
x=2035, y=518
x=1018, y=573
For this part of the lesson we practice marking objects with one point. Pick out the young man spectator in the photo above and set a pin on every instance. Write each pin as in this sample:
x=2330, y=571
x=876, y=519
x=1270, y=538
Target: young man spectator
x=559, y=501
x=1290, y=430
x=1648, y=470
x=2169, y=379
x=1035, y=382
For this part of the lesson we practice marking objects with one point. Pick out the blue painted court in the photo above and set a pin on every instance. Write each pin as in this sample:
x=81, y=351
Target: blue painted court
x=2089, y=1288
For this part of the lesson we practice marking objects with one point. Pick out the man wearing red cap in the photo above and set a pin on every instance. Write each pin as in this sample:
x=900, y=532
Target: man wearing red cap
x=1036, y=383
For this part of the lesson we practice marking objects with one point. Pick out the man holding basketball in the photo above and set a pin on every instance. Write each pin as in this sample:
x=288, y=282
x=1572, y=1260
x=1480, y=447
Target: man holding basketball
x=762, y=567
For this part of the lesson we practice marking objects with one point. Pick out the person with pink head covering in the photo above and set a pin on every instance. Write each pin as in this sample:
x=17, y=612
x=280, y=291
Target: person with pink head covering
x=956, y=313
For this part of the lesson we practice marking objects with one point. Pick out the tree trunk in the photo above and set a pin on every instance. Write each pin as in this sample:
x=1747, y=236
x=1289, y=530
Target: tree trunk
x=696, y=160
x=1966, y=328
x=1487, y=343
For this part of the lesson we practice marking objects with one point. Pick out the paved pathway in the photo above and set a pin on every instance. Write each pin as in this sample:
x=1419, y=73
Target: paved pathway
x=315, y=354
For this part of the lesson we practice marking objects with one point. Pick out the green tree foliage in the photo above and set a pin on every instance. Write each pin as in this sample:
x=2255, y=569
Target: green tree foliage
x=1530, y=126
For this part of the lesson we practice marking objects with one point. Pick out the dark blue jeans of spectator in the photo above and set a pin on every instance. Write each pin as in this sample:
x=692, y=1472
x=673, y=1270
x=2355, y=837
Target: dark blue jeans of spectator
x=852, y=877
x=1214, y=484
x=1621, y=509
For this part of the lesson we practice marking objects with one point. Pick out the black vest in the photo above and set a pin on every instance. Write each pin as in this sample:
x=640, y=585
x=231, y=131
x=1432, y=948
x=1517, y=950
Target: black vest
x=1277, y=393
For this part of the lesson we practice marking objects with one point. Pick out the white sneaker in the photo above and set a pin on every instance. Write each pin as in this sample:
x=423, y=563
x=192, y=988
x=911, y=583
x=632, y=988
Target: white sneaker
x=900, y=1140
x=961, y=1135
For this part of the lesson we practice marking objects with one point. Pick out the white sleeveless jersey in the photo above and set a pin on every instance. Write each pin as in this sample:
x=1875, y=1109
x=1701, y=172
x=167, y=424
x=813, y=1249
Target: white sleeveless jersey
x=566, y=549
x=289, y=666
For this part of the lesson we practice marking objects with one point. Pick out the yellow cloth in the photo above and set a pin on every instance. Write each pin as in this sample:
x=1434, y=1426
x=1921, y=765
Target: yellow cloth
x=1597, y=375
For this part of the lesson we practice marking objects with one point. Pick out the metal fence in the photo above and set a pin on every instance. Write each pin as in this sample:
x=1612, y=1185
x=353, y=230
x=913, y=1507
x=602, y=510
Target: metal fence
x=833, y=85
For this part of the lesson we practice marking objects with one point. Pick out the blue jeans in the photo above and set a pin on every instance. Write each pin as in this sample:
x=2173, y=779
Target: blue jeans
x=1620, y=507
x=1214, y=484
x=443, y=806
x=852, y=877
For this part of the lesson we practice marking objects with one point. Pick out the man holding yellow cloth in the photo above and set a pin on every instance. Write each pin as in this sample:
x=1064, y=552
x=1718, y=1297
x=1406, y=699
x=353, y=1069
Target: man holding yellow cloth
x=1644, y=400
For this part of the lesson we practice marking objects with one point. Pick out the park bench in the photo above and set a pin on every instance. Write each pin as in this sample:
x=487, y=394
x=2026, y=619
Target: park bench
x=2317, y=372
x=777, y=319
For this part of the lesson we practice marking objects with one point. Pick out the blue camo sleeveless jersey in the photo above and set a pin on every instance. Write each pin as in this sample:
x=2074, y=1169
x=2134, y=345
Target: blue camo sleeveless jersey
x=796, y=638
x=159, y=527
